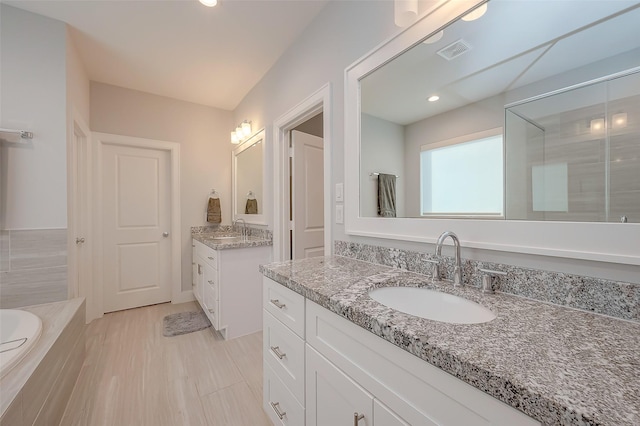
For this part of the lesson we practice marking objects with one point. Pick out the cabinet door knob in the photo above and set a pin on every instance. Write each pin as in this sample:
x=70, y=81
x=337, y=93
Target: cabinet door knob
x=277, y=303
x=80, y=240
x=165, y=234
x=210, y=258
x=356, y=418
x=276, y=350
x=277, y=410
x=210, y=282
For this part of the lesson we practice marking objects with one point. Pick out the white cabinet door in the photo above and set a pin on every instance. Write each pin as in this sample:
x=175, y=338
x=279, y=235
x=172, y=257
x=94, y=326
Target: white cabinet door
x=383, y=416
x=332, y=397
x=194, y=267
x=210, y=294
x=199, y=282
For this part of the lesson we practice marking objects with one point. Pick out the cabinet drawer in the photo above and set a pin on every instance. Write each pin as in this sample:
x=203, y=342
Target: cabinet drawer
x=283, y=350
x=284, y=304
x=207, y=254
x=277, y=397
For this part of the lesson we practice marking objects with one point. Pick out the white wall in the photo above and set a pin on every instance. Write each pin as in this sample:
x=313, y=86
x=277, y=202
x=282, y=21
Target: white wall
x=78, y=94
x=205, y=151
x=33, y=81
x=314, y=60
x=382, y=152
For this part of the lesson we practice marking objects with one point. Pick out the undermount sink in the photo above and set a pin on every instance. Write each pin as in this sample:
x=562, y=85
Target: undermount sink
x=432, y=304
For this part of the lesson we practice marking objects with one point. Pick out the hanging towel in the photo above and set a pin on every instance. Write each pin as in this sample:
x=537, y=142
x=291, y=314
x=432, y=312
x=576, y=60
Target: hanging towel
x=386, y=195
x=251, y=207
x=214, y=214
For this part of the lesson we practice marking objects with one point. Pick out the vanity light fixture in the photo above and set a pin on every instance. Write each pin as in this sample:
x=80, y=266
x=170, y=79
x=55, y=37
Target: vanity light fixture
x=475, y=13
x=209, y=3
x=433, y=98
x=405, y=12
x=241, y=132
x=619, y=120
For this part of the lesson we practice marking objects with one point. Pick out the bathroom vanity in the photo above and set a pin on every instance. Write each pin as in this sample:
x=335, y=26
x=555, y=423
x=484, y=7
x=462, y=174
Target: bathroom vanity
x=226, y=282
x=333, y=354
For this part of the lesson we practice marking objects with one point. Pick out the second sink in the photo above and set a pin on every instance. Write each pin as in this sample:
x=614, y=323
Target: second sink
x=432, y=304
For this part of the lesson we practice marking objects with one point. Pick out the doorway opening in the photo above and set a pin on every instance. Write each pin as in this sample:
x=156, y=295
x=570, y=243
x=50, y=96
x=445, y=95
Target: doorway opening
x=302, y=177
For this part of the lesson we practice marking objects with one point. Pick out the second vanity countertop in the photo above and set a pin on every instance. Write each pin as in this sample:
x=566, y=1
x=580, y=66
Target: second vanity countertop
x=558, y=365
x=229, y=241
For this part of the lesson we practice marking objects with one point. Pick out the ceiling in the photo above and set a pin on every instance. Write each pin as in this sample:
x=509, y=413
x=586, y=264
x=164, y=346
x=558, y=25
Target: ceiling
x=515, y=44
x=181, y=49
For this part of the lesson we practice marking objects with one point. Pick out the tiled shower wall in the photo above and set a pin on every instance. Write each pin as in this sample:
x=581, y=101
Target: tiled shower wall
x=33, y=267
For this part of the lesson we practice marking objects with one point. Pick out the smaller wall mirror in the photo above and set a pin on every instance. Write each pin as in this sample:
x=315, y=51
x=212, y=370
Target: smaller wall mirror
x=248, y=180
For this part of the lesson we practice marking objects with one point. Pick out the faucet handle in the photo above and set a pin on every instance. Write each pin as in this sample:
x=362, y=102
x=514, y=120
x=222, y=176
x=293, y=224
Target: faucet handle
x=435, y=272
x=488, y=277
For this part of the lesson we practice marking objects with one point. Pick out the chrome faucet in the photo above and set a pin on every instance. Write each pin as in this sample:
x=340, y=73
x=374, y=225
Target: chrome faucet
x=244, y=227
x=457, y=270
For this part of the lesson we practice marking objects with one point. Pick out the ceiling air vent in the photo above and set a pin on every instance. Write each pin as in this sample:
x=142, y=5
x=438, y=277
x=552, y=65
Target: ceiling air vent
x=454, y=50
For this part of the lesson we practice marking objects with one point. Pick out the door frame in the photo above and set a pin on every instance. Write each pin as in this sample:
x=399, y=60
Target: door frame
x=173, y=148
x=319, y=101
x=77, y=125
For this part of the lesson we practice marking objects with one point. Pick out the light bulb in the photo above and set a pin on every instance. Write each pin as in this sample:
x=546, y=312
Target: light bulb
x=433, y=98
x=476, y=13
x=619, y=120
x=246, y=128
x=234, y=138
x=209, y=3
x=597, y=124
x=239, y=133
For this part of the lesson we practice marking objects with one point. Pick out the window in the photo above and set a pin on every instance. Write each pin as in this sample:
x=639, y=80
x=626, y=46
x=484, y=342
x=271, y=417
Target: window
x=463, y=176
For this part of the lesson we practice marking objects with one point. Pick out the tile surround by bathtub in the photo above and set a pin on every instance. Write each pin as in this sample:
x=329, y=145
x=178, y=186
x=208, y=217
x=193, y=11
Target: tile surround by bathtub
x=613, y=298
x=38, y=249
x=5, y=262
x=33, y=267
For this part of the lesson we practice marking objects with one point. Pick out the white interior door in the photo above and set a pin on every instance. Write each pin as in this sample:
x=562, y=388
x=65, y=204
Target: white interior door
x=80, y=249
x=308, y=195
x=136, y=220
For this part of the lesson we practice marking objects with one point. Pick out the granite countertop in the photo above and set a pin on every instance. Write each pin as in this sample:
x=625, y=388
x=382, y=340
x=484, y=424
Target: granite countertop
x=558, y=365
x=224, y=241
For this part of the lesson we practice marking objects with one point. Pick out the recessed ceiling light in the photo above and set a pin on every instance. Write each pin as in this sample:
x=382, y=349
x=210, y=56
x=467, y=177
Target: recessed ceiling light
x=474, y=14
x=619, y=120
x=433, y=98
x=437, y=36
x=209, y=3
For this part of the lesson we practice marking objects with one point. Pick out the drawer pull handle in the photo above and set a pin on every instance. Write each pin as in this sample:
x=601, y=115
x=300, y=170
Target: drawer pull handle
x=278, y=304
x=356, y=418
x=275, y=408
x=211, y=282
x=210, y=258
x=276, y=350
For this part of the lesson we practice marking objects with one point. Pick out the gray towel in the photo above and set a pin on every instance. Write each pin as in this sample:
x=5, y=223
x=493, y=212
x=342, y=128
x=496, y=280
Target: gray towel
x=386, y=195
x=251, y=207
x=214, y=214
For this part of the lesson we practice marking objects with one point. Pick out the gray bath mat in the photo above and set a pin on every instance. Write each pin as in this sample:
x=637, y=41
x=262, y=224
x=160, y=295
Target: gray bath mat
x=183, y=323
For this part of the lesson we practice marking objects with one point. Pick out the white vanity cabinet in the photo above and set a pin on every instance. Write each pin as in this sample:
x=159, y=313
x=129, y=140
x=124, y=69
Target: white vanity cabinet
x=227, y=285
x=352, y=372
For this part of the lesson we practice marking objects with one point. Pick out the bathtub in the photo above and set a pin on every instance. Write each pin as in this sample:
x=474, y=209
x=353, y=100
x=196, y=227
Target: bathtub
x=19, y=331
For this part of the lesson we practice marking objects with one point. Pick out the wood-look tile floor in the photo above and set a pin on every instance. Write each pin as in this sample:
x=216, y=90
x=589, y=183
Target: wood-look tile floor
x=134, y=376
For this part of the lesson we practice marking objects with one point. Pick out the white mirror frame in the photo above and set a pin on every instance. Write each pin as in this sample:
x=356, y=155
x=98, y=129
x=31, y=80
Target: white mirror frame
x=255, y=219
x=605, y=242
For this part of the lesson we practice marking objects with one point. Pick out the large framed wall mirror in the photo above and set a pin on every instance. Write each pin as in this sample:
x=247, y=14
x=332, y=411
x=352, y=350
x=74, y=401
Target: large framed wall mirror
x=519, y=113
x=248, y=180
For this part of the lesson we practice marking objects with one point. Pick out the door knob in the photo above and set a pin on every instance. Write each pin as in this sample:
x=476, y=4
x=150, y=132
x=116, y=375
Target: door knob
x=165, y=234
x=79, y=240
